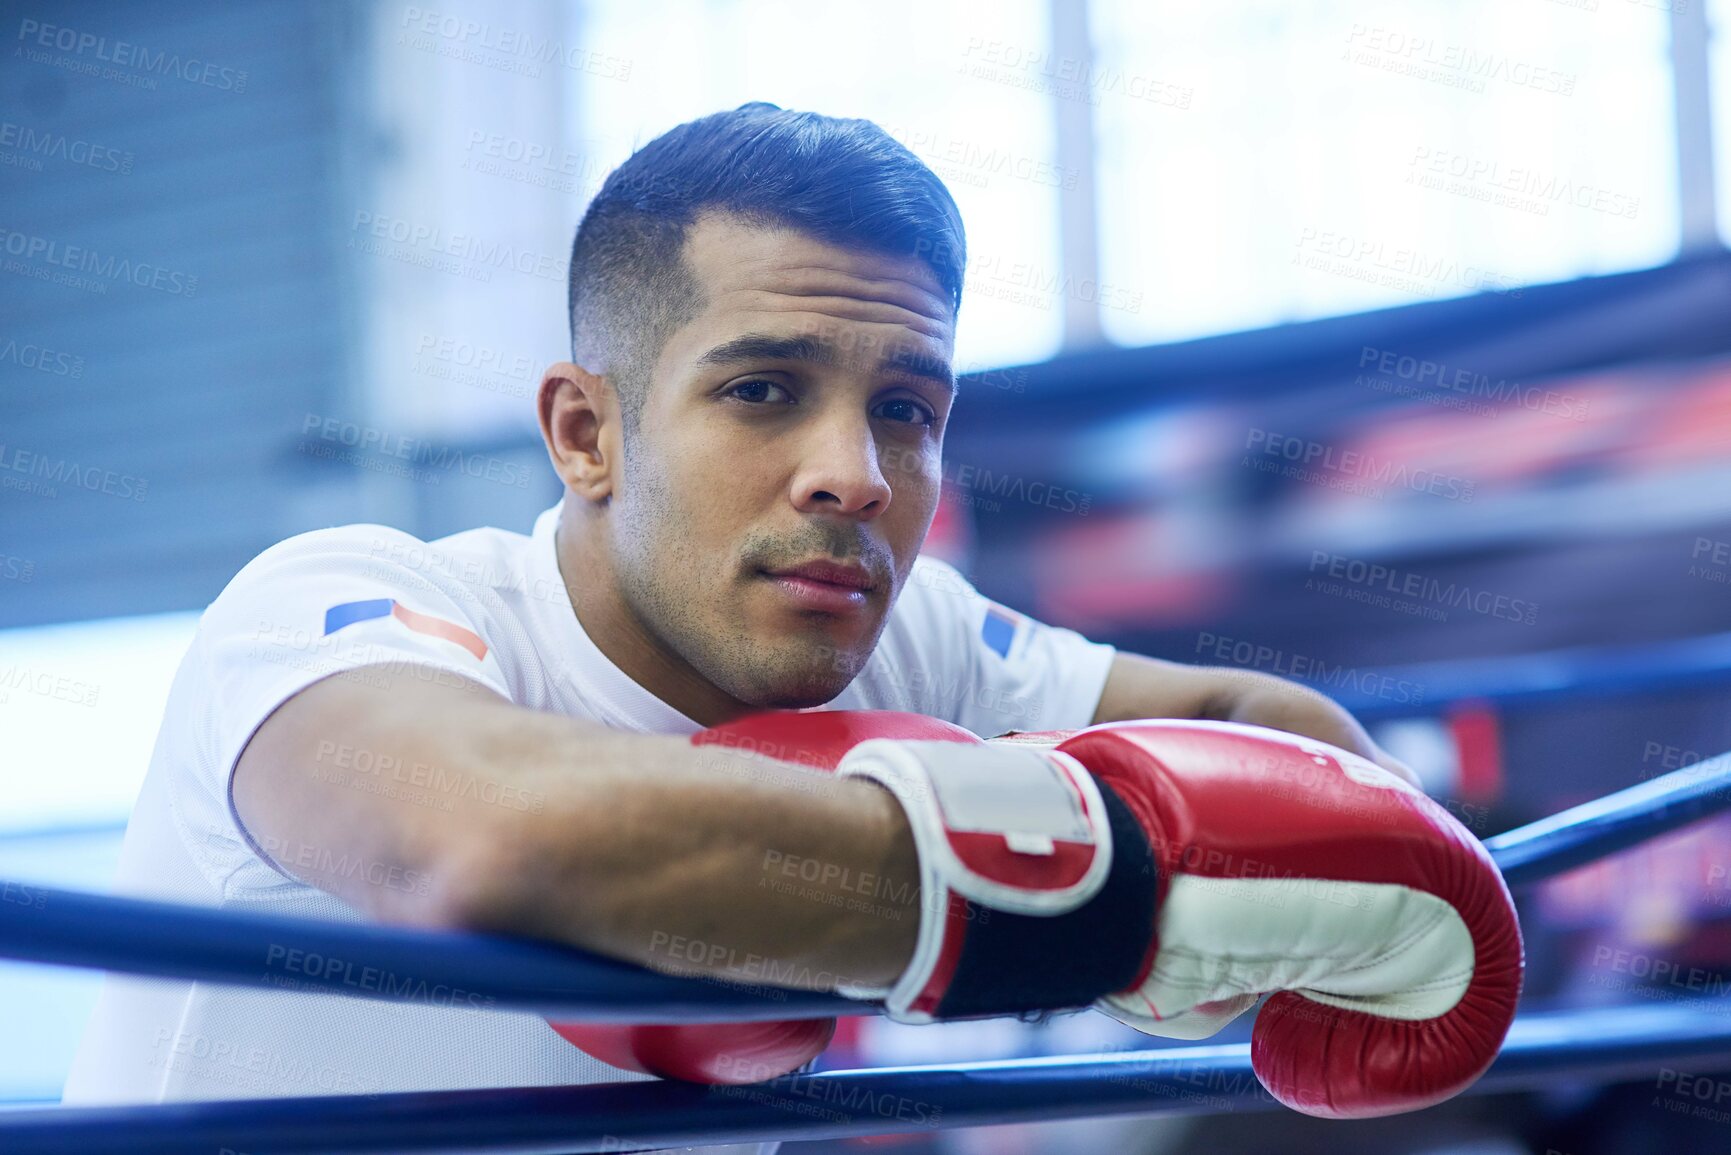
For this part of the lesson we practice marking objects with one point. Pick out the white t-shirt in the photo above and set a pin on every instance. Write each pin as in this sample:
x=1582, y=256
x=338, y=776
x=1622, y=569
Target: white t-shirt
x=487, y=605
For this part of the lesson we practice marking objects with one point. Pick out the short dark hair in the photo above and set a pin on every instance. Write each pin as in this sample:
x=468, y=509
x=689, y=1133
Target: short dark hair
x=844, y=181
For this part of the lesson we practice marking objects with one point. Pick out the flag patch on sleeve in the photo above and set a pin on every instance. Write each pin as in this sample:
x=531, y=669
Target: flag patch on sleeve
x=349, y=613
x=999, y=630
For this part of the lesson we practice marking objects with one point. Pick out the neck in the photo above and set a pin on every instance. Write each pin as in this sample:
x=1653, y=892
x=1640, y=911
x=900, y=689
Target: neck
x=618, y=632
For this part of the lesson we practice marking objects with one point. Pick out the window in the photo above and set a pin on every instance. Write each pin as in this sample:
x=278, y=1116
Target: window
x=1269, y=162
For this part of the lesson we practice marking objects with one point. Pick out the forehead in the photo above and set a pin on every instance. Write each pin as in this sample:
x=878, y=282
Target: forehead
x=758, y=275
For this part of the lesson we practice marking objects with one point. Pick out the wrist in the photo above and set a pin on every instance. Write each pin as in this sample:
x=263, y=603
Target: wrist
x=879, y=940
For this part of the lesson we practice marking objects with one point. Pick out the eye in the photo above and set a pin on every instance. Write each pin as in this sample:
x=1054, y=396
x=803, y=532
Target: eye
x=758, y=391
x=906, y=411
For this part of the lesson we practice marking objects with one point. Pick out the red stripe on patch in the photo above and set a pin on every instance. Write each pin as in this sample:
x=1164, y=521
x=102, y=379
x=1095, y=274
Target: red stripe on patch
x=440, y=628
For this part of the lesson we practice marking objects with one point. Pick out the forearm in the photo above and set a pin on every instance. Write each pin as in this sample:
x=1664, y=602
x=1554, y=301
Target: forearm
x=700, y=861
x=443, y=805
x=1143, y=687
x=1267, y=700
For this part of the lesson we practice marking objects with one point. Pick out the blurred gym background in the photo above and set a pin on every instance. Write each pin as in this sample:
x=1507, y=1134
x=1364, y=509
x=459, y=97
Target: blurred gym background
x=1373, y=344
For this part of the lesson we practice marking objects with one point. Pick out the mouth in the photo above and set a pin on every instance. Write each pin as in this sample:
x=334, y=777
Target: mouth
x=824, y=586
x=827, y=573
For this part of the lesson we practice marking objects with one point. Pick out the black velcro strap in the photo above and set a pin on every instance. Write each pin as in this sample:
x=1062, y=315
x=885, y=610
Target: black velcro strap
x=1020, y=962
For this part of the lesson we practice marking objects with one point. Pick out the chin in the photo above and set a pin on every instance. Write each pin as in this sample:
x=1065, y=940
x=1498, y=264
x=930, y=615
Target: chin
x=799, y=690
x=795, y=701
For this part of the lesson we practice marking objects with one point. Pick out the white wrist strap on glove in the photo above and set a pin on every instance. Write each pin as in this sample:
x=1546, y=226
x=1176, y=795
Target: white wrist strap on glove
x=1018, y=830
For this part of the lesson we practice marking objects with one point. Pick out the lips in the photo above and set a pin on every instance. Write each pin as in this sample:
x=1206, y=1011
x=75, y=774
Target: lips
x=829, y=573
x=823, y=587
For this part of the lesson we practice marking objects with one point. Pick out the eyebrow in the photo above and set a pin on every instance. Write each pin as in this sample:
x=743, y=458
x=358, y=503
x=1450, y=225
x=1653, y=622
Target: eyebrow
x=764, y=347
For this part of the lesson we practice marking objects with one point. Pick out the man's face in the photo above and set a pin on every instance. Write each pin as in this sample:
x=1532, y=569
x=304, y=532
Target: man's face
x=796, y=423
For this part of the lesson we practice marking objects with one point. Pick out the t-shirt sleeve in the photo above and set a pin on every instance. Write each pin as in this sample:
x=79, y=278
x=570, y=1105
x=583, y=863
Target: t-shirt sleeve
x=324, y=603
x=951, y=652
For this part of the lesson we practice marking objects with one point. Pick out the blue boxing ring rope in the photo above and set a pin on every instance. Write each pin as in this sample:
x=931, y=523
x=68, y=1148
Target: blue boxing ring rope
x=835, y=1104
x=68, y=928
x=1536, y=680
x=75, y=929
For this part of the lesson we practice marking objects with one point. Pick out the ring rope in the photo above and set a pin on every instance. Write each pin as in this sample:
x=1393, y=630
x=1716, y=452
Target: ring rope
x=1599, y=1044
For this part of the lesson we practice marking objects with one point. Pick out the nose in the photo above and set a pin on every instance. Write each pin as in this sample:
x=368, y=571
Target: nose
x=840, y=472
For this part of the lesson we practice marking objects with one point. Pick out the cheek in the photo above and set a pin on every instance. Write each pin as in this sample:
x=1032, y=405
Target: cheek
x=701, y=499
x=922, y=487
x=913, y=469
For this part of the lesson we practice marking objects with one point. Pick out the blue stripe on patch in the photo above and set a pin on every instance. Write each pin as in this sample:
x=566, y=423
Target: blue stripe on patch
x=349, y=613
x=998, y=631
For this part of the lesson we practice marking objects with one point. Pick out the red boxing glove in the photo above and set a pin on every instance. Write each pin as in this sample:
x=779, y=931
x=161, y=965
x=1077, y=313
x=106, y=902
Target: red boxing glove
x=1277, y=864
x=732, y=1053
x=1288, y=865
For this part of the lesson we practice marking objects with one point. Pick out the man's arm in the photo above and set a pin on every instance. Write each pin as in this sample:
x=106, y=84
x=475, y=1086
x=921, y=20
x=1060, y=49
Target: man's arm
x=1141, y=687
x=441, y=804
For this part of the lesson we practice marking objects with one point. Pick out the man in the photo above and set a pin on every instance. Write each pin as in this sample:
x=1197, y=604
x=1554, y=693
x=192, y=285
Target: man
x=491, y=731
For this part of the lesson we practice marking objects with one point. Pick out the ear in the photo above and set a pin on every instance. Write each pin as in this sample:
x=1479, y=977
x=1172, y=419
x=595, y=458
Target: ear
x=580, y=424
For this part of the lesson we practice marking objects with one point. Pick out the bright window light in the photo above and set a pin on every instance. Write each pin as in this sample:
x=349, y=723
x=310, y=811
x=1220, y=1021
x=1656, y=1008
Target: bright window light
x=1268, y=162
x=80, y=706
